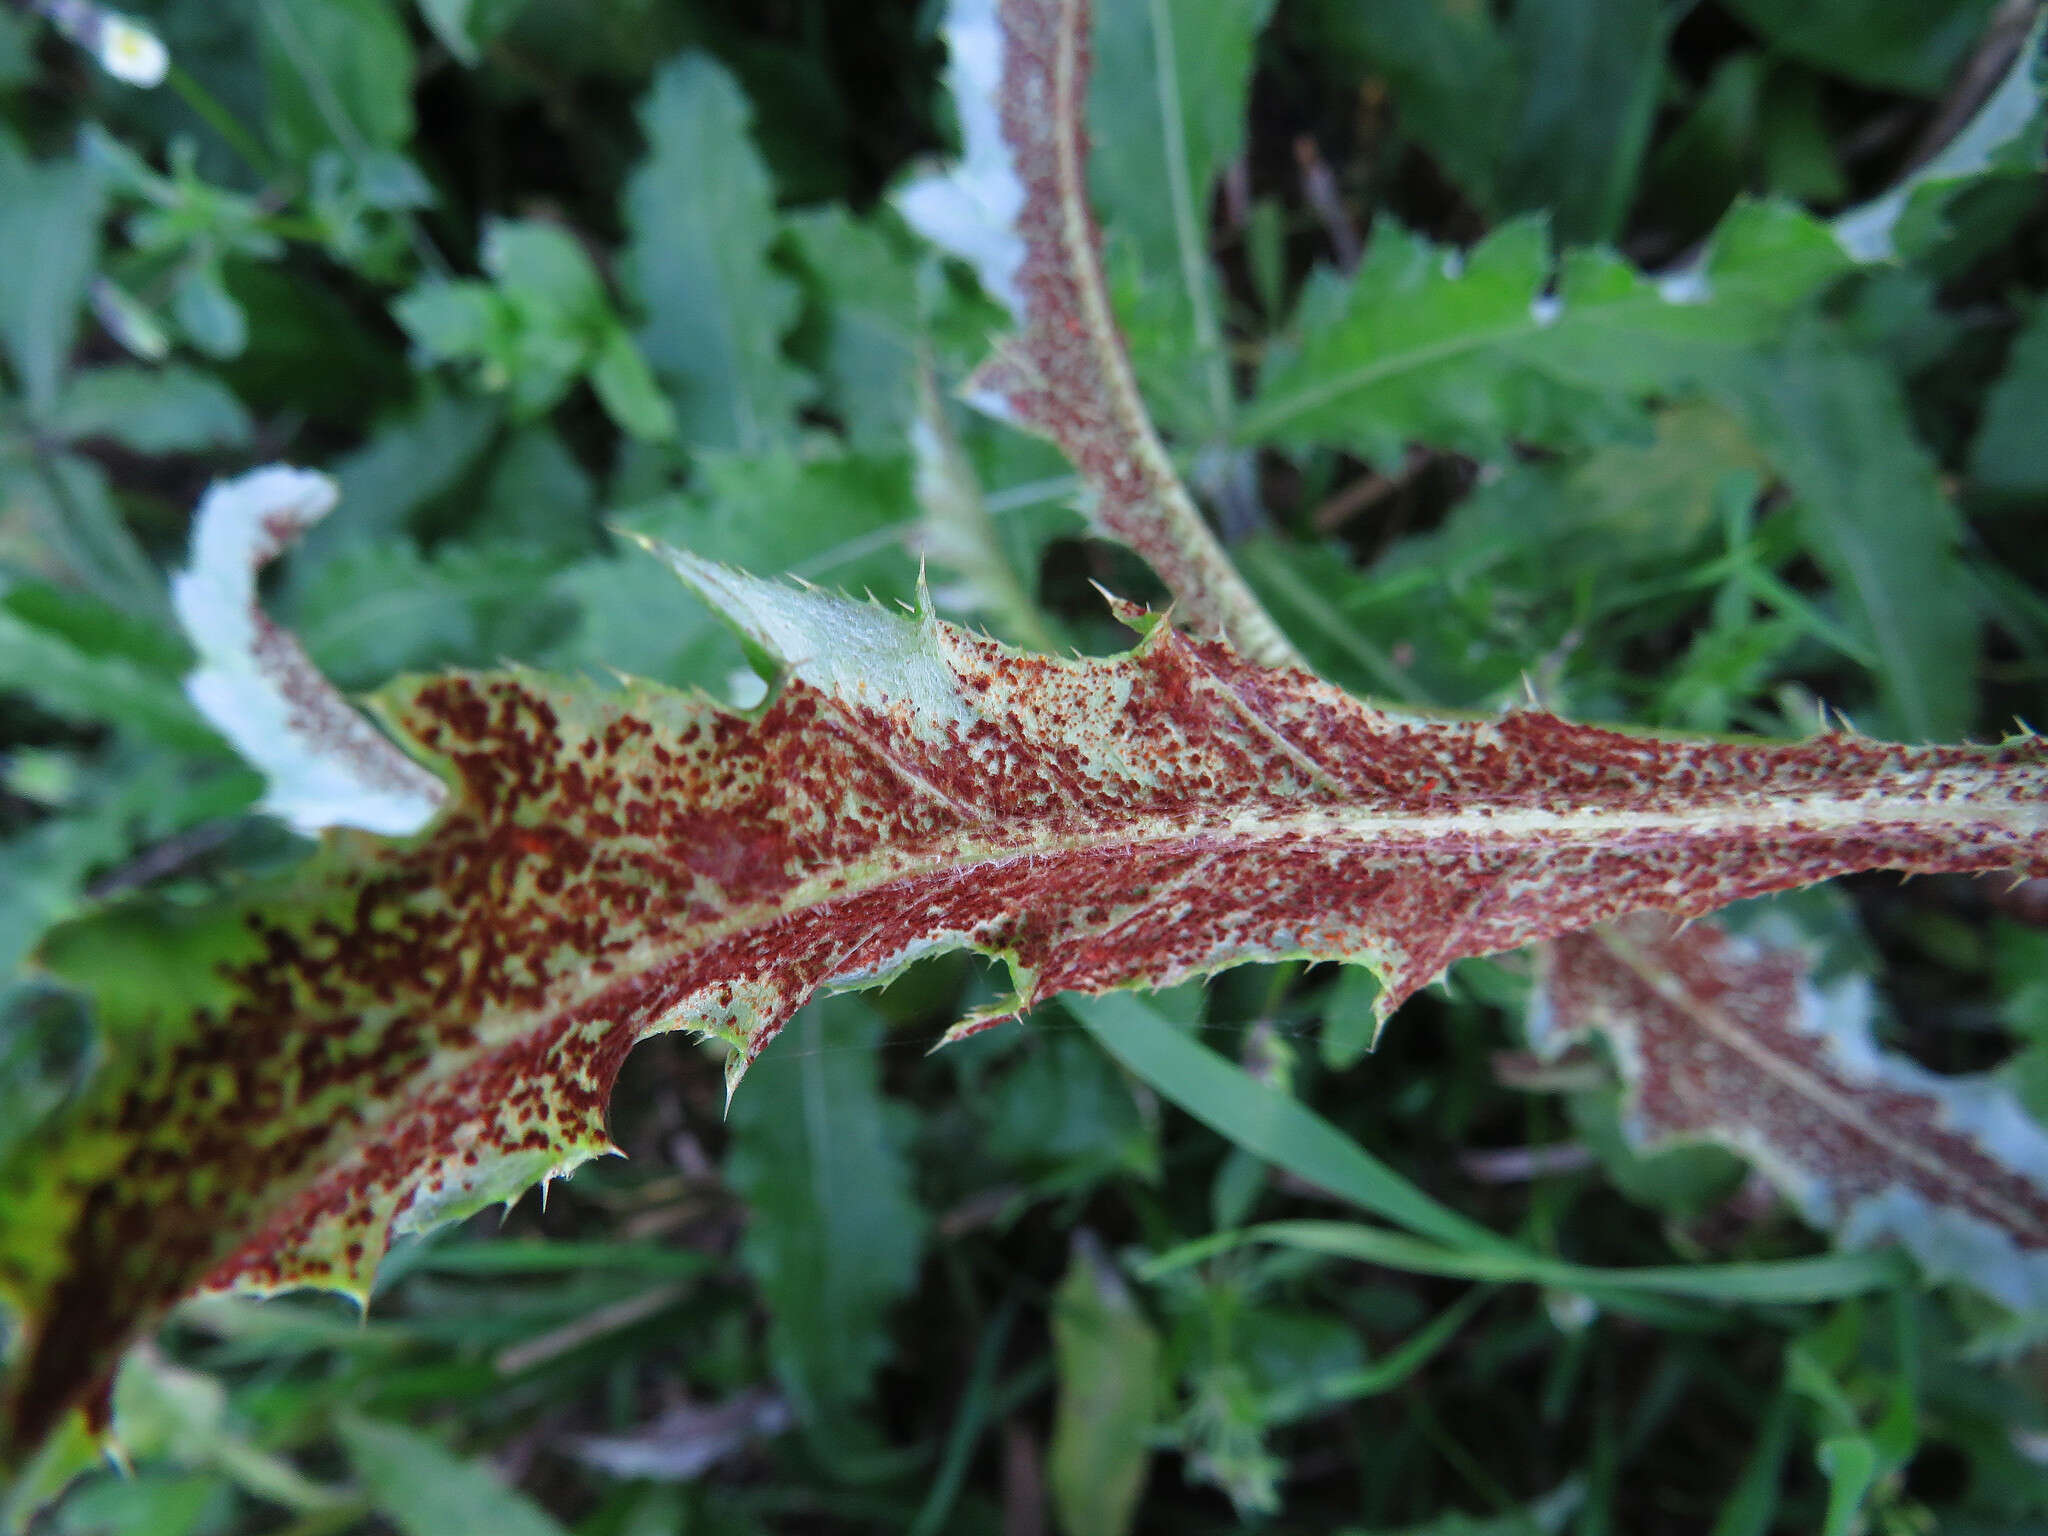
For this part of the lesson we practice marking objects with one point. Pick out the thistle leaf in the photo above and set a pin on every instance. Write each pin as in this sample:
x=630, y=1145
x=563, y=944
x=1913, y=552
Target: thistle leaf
x=1168, y=107
x=833, y=1231
x=701, y=213
x=1017, y=207
x=1873, y=515
x=1728, y=1039
x=405, y=1030
x=1108, y=1358
x=1503, y=343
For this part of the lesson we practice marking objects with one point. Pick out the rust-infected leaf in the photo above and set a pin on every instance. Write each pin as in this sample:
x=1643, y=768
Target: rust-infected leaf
x=1730, y=1039
x=1017, y=207
x=406, y=1030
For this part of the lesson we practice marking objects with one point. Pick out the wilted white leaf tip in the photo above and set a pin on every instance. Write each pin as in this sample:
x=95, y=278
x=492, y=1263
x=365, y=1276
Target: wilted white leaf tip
x=972, y=210
x=327, y=765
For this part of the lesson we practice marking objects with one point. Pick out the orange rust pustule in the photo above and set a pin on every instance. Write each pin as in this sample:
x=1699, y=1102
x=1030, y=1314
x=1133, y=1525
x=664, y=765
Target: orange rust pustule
x=410, y=1010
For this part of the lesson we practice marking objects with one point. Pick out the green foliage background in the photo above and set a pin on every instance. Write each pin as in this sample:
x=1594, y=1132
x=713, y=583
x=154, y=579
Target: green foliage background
x=523, y=272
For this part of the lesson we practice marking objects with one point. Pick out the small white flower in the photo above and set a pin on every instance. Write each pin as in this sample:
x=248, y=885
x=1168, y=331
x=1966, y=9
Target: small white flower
x=125, y=48
x=132, y=53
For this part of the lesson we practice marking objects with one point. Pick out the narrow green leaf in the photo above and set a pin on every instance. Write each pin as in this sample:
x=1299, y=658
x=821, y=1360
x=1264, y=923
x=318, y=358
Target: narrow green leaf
x=868, y=288
x=1166, y=112
x=977, y=1403
x=426, y=1490
x=833, y=1232
x=466, y=27
x=49, y=245
x=1850, y=1464
x=1108, y=1358
x=1835, y=425
x=701, y=216
x=1451, y=69
x=1900, y=45
x=338, y=74
x=153, y=410
x=70, y=505
x=80, y=686
x=1752, y=1506
x=1592, y=74
x=1266, y=1122
x=1828, y=1277
x=212, y=319
x=2010, y=455
x=17, y=63
x=47, y=868
x=536, y=1256
x=626, y=388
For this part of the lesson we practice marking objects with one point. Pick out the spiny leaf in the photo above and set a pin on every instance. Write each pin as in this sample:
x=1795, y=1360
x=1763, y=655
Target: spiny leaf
x=1108, y=1360
x=1873, y=515
x=701, y=211
x=1474, y=349
x=1018, y=208
x=2010, y=454
x=1168, y=109
x=833, y=1233
x=404, y=1031
x=1729, y=1039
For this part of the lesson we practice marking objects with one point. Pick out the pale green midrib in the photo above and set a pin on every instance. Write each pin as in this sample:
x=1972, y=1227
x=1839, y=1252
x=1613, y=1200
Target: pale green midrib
x=1265, y=418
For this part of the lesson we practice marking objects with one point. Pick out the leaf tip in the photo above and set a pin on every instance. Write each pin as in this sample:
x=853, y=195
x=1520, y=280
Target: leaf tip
x=980, y=1022
x=1141, y=620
